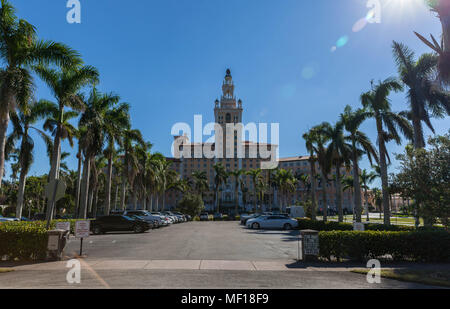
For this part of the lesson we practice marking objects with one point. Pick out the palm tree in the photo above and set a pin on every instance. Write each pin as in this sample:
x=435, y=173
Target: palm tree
x=319, y=146
x=338, y=153
x=237, y=182
x=65, y=85
x=20, y=50
x=117, y=119
x=306, y=183
x=366, y=179
x=348, y=184
x=255, y=174
x=442, y=8
x=200, y=182
x=93, y=119
x=220, y=178
x=360, y=144
x=309, y=138
x=128, y=141
x=388, y=125
x=425, y=99
x=22, y=125
x=152, y=177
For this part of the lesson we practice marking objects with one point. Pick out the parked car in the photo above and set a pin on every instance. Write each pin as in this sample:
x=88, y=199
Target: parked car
x=245, y=218
x=272, y=222
x=204, y=216
x=147, y=216
x=165, y=220
x=117, y=223
x=218, y=216
x=183, y=216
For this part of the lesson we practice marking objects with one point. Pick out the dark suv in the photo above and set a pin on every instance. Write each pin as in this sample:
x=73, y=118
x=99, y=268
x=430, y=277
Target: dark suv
x=119, y=223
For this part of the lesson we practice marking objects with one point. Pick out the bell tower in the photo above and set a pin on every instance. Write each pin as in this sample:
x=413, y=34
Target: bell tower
x=228, y=111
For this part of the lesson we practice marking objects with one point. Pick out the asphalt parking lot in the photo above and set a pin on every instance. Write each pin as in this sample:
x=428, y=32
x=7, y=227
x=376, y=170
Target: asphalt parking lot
x=192, y=241
x=219, y=255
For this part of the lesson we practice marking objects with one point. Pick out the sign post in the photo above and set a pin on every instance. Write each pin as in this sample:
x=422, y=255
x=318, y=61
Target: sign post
x=82, y=230
x=310, y=245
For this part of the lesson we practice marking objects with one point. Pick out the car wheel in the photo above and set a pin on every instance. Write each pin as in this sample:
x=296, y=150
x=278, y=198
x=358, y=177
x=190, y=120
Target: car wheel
x=255, y=226
x=97, y=230
x=287, y=227
x=138, y=229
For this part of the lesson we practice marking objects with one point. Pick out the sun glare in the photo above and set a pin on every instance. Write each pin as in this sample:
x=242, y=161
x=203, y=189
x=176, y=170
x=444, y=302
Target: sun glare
x=403, y=6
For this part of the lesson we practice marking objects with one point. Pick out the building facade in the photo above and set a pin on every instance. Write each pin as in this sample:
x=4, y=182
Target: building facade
x=234, y=153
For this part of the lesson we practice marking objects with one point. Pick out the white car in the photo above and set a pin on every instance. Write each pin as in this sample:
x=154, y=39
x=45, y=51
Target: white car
x=272, y=222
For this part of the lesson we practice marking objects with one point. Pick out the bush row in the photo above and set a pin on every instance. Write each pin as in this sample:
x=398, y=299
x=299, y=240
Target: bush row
x=26, y=241
x=419, y=246
x=23, y=242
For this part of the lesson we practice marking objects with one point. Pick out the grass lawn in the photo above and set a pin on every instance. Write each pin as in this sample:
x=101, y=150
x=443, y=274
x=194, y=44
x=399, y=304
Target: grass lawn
x=394, y=220
x=428, y=277
x=6, y=270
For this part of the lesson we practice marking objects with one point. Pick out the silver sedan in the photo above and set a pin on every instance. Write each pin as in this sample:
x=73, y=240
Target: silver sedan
x=272, y=222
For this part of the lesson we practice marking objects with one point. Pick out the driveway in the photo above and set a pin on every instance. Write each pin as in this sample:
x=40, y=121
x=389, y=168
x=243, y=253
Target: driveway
x=192, y=241
x=192, y=255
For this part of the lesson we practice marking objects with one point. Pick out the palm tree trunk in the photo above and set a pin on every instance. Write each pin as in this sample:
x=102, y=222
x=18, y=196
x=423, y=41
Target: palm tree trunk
x=356, y=187
x=164, y=200
x=236, y=198
x=85, y=187
x=116, y=197
x=157, y=201
x=366, y=197
x=419, y=141
x=4, y=122
x=339, y=194
x=255, y=197
x=54, y=170
x=324, y=196
x=383, y=172
x=313, y=189
x=108, y=186
x=123, y=193
x=151, y=202
x=21, y=193
x=77, y=198
x=134, y=199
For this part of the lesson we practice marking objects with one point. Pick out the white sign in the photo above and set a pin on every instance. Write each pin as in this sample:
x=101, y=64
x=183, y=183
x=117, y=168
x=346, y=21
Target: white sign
x=357, y=226
x=82, y=229
x=311, y=244
x=53, y=242
x=65, y=226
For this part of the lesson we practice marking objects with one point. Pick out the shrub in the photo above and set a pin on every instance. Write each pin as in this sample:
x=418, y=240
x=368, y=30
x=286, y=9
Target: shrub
x=24, y=242
x=419, y=246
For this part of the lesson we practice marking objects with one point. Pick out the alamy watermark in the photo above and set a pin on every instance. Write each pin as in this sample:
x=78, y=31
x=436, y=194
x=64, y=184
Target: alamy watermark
x=74, y=274
x=374, y=274
x=225, y=141
x=74, y=14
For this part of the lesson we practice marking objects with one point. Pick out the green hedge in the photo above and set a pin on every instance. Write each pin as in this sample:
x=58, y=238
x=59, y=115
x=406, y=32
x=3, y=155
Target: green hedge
x=26, y=241
x=23, y=242
x=307, y=224
x=419, y=246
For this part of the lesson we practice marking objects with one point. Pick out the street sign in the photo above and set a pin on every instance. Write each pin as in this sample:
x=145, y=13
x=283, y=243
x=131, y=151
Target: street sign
x=357, y=226
x=65, y=226
x=82, y=229
x=59, y=186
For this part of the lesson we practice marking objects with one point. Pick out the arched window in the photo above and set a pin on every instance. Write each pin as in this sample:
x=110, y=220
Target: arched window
x=228, y=118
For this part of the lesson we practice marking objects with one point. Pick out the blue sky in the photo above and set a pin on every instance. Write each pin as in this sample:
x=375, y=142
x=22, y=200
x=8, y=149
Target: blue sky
x=167, y=58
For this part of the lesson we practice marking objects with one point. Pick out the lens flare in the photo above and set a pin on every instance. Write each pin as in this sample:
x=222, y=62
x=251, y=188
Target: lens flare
x=342, y=41
x=360, y=25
